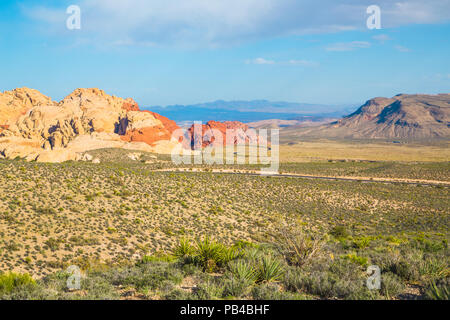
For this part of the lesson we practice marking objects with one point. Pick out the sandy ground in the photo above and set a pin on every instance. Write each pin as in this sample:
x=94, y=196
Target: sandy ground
x=301, y=175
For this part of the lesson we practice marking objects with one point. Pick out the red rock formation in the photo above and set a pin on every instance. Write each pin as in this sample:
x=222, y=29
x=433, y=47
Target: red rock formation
x=130, y=105
x=149, y=135
x=239, y=131
x=161, y=131
x=168, y=124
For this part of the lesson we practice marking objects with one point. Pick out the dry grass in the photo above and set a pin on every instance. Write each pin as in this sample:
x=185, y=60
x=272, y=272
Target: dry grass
x=375, y=151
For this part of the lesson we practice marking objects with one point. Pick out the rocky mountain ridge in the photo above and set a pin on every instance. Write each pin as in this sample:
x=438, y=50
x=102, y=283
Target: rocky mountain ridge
x=408, y=117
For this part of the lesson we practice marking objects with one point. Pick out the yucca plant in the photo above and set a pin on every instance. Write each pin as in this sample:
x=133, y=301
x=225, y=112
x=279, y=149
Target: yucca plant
x=439, y=291
x=184, y=249
x=270, y=269
x=244, y=270
x=252, y=253
x=209, y=254
x=296, y=246
x=230, y=254
x=433, y=268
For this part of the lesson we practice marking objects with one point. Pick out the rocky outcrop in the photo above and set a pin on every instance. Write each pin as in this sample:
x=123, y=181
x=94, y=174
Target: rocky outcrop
x=17, y=102
x=215, y=134
x=39, y=129
x=147, y=127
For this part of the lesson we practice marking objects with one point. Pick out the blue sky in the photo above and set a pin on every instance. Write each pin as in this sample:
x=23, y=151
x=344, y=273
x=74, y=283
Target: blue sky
x=190, y=51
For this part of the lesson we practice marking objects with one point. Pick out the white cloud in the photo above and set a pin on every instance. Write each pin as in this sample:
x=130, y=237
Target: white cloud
x=402, y=49
x=224, y=22
x=260, y=61
x=349, y=46
x=302, y=63
x=382, y=38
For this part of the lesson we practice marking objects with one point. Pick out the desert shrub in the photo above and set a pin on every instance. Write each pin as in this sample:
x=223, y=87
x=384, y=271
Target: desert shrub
x=191, y=269
x=428, y=245
x=26, y=292
x=271, y=291
x=53, y=244
x=316, y=283
x=296, y=246
x=339, y=232
x=353, y=257
x=45, y=210
x=98, y=288
x=145, y=276
x=241, y=244
x=10, y=281
x=56, y=282
x=292, y=279
x=403, y=265
x=330, y=285
x=362, y=242
x=209, y=290
x=438, y=290
x=234, y=287
x=157, y=257
x=178, y=294
x=391, y=285
x=342, y=279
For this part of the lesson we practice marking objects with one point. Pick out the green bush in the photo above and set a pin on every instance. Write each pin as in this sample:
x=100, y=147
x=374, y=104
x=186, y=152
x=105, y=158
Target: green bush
x=234, y=287
x=178, y=294
x=391, y=285
x=10, y=281
x=209, y=290
x=159, y=257
x=362, y=242
x=353, y=257
x=98, y=288
x=341, y=279
x=339, y=232
x=145, y=276
x=271, y=291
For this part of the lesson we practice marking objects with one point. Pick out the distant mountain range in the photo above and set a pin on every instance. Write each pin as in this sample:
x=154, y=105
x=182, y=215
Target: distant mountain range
x=304, y=121
x=250, y=111
x=403, y=117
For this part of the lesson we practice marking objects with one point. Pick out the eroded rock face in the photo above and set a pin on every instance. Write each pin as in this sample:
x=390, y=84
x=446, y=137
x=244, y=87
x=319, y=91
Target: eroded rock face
x=17, y=102
x=148, y=127
x=35, y=127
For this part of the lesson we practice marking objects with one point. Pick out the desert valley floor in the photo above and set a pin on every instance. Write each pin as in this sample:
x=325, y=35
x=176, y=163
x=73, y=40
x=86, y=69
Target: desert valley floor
x=139, y=228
